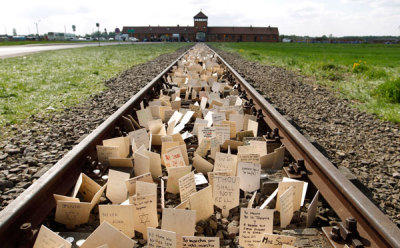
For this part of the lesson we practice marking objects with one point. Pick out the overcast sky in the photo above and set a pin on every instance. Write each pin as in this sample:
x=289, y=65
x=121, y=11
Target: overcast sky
x=311, y=17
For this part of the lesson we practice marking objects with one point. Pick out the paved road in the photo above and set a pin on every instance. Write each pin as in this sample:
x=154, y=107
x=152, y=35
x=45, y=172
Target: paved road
x=19, y=50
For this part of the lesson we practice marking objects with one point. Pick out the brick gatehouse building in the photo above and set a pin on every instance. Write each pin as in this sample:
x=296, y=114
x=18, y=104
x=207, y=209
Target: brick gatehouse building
x=202, y=32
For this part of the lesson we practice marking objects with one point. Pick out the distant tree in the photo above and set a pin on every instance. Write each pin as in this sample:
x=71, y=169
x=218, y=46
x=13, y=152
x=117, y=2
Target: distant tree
x=330, y=36
x=14, y=32
x=73, y=28
x=111, y=35
x=324, y=37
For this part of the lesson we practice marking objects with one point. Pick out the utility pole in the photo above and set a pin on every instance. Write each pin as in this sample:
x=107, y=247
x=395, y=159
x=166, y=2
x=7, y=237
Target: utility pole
x=37, y=29
x=98, y=32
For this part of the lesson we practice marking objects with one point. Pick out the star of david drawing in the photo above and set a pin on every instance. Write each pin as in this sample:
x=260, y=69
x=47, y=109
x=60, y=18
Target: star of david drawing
x=144, y=219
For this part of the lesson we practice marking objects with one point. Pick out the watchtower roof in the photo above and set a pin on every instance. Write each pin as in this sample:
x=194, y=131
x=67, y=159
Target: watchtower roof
x=200, y=15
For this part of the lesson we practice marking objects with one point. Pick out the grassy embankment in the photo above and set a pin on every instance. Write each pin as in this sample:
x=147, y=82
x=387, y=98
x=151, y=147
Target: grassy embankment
x=367, y=74
x=47, y=42
x=30, y=84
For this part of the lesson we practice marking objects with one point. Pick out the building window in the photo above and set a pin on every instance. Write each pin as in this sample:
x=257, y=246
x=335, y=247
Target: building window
x=248, y=37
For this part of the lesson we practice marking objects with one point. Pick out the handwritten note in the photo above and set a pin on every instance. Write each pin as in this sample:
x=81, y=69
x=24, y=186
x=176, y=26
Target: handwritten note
x=249, y=174
x=120, y=216
x=200, y=242
x=275, y=241
x=157, y=238
x=222, y=132
x=116, y=187
x=174, y=157
x=131, y=183
x=286, y=207
x=174, y=173
x=206, y=132
x=140, y=137
x=49, y=239
x=106, y=152
x=225, y=162
x=187, y=186
x=226, y=193
x=253, y=224
x=144, y=212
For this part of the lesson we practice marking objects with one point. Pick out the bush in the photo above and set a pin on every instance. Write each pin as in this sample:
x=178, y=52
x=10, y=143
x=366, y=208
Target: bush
x=376, y=74
x=389, y=91
x=329, y=66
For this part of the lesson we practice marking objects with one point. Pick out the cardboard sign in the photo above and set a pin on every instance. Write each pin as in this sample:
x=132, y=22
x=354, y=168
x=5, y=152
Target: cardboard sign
x=199, y=123
x=174, y=158
x=298, y=188
x=174, y=173
x=165, y=146
x=49, y=239
x=206, y=132
x=276, y=241
x=144, y=116
x=203, y=148
x=249, y=175
x=155, y=163
x=72, y=214
x=185, y=119
x=107, y=234
x=273, y=160
x=203, y=102
x=120, y=216
x=225, y=162
x=142, y=162
x=200, y=242
x=140, y=137
x=201, y=164
x=157, y=238
x=242, y=134
x=203, y=203
x=222, y=132
x=131, y=183
x=260, y=146
x=226, y=193
x=253, y=224
x=286, y=206
x=246, y=121
x=253, y=126
x=144, y=212
x=238, y=119
x=175, y=118
x=187, y=186
x=116, y=187
x=86, y=187
x=122, y=143
x=312, y=210
x=232, y=128
x=106, y=152
x=218, y=117
x=121, y=162
x=144, y=188
x=211, y=175
x=181, y=221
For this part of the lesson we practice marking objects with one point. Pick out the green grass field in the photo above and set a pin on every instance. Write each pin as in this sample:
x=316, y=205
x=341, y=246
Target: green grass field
x=368, y=74
x=44, y=42
x=32, y=83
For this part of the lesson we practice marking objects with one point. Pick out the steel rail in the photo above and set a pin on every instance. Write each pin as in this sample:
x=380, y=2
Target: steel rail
x=36, y=202
x=340, y=193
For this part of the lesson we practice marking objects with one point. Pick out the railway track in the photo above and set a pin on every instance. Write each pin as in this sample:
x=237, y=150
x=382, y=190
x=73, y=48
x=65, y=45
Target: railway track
x=21, y=220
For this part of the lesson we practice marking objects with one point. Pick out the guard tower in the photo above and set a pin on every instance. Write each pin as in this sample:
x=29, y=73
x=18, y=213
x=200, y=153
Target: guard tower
x=200, y=26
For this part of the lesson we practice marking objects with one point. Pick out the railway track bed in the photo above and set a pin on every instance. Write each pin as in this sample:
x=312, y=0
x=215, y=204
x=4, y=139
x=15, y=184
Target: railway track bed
x=201, y=155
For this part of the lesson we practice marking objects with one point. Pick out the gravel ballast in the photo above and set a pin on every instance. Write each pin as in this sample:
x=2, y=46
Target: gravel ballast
x=369, y=147
x=28, y=149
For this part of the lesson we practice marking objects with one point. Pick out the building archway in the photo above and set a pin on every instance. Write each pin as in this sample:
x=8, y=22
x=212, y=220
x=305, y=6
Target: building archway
x=201, y=36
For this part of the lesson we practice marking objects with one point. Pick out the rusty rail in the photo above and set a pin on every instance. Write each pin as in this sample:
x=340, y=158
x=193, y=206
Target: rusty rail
x=339, y=192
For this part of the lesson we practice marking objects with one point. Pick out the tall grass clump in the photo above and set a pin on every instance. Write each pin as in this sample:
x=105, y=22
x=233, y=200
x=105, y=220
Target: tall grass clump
x=389, y=91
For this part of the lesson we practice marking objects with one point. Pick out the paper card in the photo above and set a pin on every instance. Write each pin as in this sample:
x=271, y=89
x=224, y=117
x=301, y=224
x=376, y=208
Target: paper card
x=142, y=163
x=203, y=148
x=131, y=183
x=238, y=119
x=176, y=105
x=222, y=132
x=185, y=119
x=276, y=241
x=174, y=173
x=105, y=152
x=165, y=146
x=121, y=142
x=245, y=121
x=225, y=162
x=286, y=206
x=240, y=135
x=175, y=117
x=155, y=163
x=312, y=210
x=196, y=109
x=107, y=234
x=178, y=138
x=214, y=147
x=218, y=117
x=116, y=187
x=201, y=164
x=249, y=175
x=140, y=137
x=155, y=126
x=183, y=205
x=162, y=193
x=200, y=179
x=249, y=158
x=200, y=242
x=232, y=128
x=269, y=199
x=203, y=203
x=298, y=187
x=251, y=201
x=226, y=193
x=144, y=212
x=163, y=110
x=65, y=198
x=206, y=132
x=174, y=158
x=166, y=138
x=157, y=238
x=181, y=221
x=253, y=224
x=155, y=110
x=121, y=162
x=211, y=175
x=233, y=144
x=120, y=216
x=260, y=146
x=144, y=116
x=203, y=103
x=187, y=186
x=199, y=122
x=72, y=214
x=168, y=114
x=186, y=135
x=145, y=188
x=86, y=186
x=49, y=239
x=184, y=153
x=208, y=117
